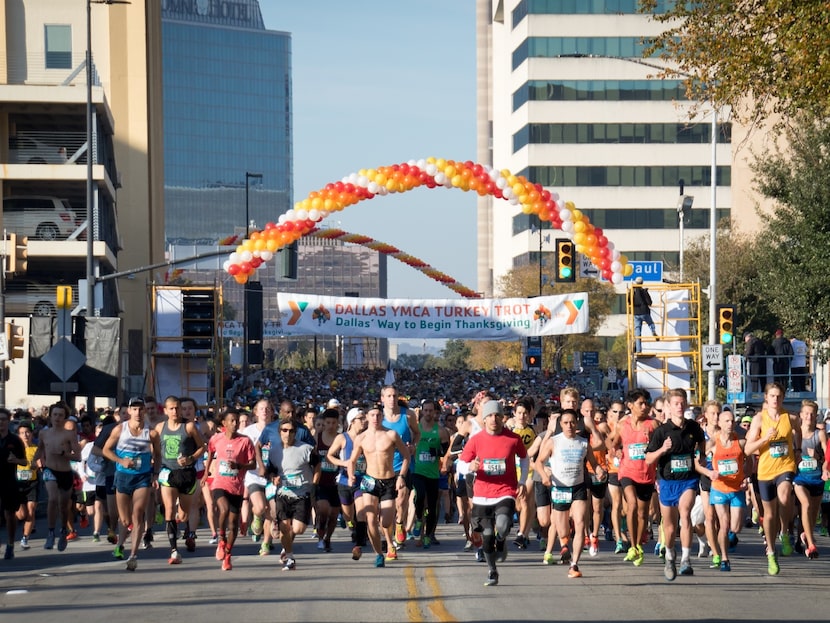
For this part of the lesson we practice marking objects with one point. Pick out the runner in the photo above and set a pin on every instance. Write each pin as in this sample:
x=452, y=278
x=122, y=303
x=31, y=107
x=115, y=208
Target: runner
x=774, y=434
x=491, y=456
x=404, y=422
x=134, y=448
x=525, y=504
x=262, y=521
x=327, y=500
x=809, y=486
x=381, y=485
x=676, y=447
x=182, y=446
x=28, y=482
x=432, y=445
x=12, y=457
x=234, y=454
x=709, y=540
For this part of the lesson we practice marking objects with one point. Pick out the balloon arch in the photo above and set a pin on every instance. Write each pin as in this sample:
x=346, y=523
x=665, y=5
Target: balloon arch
x=431, y=173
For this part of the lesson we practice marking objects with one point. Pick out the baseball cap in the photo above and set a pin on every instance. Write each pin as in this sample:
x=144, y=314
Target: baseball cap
x=638, y=280
x=490, y=407
x=136, y=401
x=352, y=414
x=333, y=403
x=747, y=419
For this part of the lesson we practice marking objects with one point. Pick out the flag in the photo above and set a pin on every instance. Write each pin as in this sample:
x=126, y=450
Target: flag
x=389, y=379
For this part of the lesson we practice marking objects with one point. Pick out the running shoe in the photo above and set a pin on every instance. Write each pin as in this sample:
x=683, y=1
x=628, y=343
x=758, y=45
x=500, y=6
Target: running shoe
x=320, y=545
x=492, y=578
x=62, y=541
x=416, y=529
x=379, y=561
x=468, y=546
x=9, y=555
x=638, y=561
x=725, y=566
x=118, y=552
x=226, y=563
x=686, y=568
x=658, y=547
x=190, y=542
x=564, y=556
x=670, y=569
x=519, y=541
x=147, y=541
x=400, y=533
x=327, y=545
x=543, y=544
x=24, y=542
x=586, y=543
x=593, y=546
x=175, y=558
x=812, y=552
x=214, y=539
x=50, y=540
x=426, y=542
x=132, y=563
x=283, y=555
x=433, y=540
x=289, y=565
x=96, y=538
x=220, y=550
x=84, y=521
x=631, y=555
x=357, y=552
x=703, y=550
x=256, y=525
x=264, y=549
x=772, y=564
x=620, y=548
x=392, y=554
x=786, y=545
x=480, y=555
x=574, y=572
x=112, y=538
x=72, y=536
x=548, y=559
x=733, y=542
x=716, y=560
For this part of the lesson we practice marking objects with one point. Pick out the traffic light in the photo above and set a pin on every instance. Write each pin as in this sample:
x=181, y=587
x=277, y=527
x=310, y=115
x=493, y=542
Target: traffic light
x=565, y=261
x=15, y=341
x=726, y=324
x=17, y=254
x=533, y=362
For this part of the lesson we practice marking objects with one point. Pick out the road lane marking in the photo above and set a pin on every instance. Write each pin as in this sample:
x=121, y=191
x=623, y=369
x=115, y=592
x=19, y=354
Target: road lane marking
x=413, y=610
x=437, y=606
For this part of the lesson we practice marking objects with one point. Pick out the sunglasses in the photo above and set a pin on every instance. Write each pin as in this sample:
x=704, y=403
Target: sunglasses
x=657, y=410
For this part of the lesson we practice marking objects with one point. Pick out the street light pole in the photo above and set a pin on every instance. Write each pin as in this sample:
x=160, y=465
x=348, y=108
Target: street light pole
x=248, y=177
x=713, y=212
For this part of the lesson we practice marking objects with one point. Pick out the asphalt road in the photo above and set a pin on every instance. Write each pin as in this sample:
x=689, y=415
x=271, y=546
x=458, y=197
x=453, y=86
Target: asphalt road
x=443, y=583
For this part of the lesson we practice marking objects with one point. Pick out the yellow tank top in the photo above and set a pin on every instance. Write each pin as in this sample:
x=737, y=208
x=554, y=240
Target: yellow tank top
x=777, y=457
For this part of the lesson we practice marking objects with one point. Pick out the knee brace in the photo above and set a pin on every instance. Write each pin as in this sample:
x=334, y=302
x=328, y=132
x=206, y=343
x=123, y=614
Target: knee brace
x=503, y=525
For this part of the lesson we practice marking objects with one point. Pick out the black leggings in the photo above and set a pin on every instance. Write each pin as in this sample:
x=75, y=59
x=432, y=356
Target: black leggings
x=426, y=495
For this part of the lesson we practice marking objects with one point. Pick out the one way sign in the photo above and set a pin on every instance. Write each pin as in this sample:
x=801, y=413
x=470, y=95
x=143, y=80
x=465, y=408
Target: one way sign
x=713, y=357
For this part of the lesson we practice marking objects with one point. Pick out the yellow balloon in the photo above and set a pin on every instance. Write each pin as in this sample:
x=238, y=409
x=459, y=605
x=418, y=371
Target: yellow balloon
x=579, y=238
x=579, y=226
x=271, y=245
x=527, y=208
x=450, y=171
x=519, y=189
x=628, y=270
x=580, y=248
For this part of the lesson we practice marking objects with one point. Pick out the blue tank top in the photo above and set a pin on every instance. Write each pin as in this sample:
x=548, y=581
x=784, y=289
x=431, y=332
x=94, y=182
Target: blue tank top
x=402, y=428
x=809, y=467
x=345, y=455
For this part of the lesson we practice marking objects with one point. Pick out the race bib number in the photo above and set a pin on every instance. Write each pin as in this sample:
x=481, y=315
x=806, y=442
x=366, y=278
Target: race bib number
x=294, y=481
x=494, y=467
x=825, y=496
x=681, y=463
x=48, y=476
x=728, y=467
x=367, y=484
x=561, y=495
x=266, y=453
x=24, y=475
x=164, y=476
x=778, y=449
x=808, y=465
x=226, y=470
x=360, y=466
x=270, y=491
x=328, y=467
x=637, y=451
x=615, y=461
x=426, y=457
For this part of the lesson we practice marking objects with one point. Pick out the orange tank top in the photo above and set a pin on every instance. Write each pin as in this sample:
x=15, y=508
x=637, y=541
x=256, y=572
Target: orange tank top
x=729, y=463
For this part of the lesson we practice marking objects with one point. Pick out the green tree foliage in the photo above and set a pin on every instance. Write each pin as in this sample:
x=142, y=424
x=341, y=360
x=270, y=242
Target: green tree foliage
x=758, y=56
x=456, y=355
x=793, y=269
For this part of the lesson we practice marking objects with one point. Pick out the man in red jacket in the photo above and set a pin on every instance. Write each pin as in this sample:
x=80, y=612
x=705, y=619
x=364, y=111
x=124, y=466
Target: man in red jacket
x=492, y=457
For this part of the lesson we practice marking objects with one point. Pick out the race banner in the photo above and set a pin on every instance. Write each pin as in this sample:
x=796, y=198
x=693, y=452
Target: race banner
x=468, y=319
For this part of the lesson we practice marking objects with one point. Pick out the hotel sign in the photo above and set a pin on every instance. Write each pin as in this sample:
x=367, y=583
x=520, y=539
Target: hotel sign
x=215, y=9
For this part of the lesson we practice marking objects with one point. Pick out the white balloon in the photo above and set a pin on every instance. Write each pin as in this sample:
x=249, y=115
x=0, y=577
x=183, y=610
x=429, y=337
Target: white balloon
x=440, y=177
x=266, y=255
x=610, y=245
x=501, y=183
x=291, y=215
x=282, y=219
x=301, y=215
x=314, y=215
x=225, y=265
x=233, y=258
x=431, y=169
x=362, y=180
x=246, y=256
x=560, y=204
x=616, y=278
x=373, y=187
x=615, y=255
x=554, y=196
x=567, y=226
x=565, y=215
x=421, y=163
x=353, y=178
x=616, y=267
x=513, y=201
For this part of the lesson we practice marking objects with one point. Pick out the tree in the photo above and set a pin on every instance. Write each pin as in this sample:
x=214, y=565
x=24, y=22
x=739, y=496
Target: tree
x=762, y=57
x=794, y=246
x=455, y=355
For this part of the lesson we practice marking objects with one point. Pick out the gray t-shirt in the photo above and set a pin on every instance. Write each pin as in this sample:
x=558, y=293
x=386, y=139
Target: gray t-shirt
x=295, y=467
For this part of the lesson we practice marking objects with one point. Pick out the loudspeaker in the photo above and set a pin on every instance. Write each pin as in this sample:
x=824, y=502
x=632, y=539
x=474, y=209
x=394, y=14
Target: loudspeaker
x=253, y=320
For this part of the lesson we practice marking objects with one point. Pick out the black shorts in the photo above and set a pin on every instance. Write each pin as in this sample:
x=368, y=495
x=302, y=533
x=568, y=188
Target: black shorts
x=642, y=490
x=769, y=488
x=598, y=489
x=813, y=490
x=485, y=514
x=576, y=493
x=329, y=494
x=293, y=508
x=87, y=498
x=459, y=486
x=10, y=497
x=28, y=489
x=64, y=480
x=614, y=479
x=183, y=480
x=234, y=501
x=381, y=488
x=541, y=494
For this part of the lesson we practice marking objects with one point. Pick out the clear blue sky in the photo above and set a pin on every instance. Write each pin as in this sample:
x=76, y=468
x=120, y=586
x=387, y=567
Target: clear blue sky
x=378, y=83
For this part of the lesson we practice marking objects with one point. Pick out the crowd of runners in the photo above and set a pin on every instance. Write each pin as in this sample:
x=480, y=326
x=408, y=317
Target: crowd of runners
x=563, y=468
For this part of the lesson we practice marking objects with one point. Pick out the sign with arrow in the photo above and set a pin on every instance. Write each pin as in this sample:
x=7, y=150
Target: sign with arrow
x=713, y=356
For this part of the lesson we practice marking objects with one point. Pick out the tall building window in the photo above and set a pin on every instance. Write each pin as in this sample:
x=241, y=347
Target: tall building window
x=58, y=46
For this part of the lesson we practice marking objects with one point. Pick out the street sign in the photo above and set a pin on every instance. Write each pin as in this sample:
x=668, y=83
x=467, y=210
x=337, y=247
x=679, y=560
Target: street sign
x=713, y=357
x=64, y=359
x=649, y=271
x=590, y=359
x=733, y=374
x=586, y=268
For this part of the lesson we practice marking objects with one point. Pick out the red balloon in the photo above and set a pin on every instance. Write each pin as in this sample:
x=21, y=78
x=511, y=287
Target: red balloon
x=245, y=267
x=233, y=269
x=256, y=262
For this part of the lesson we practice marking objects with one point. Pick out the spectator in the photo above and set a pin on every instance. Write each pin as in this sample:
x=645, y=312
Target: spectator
x=641, y=301
x=782, y=352
x=755, y=353
x=798, y=365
